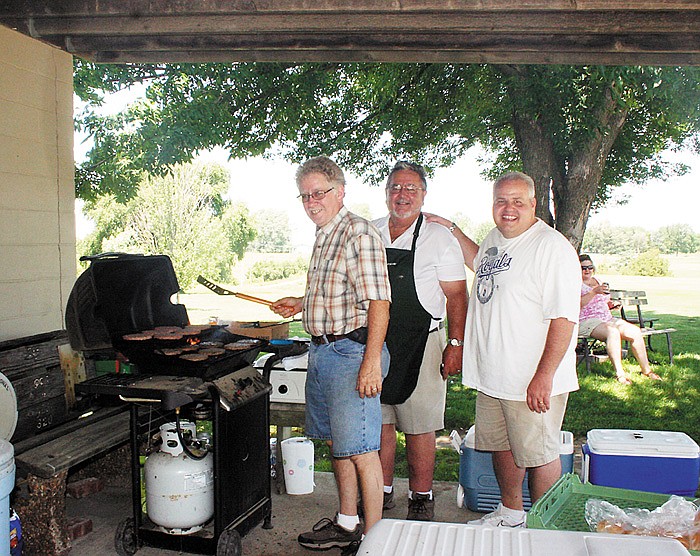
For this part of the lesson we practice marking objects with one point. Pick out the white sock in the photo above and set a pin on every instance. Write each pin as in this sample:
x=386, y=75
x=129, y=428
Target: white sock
x=389, y=489
x=410, y=494
x=348, y=522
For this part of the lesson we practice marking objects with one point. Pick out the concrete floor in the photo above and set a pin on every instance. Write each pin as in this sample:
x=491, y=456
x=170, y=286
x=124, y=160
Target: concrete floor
x=291, y=515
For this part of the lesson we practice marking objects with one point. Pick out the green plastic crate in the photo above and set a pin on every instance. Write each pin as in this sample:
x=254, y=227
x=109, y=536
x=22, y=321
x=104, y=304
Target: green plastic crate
x=563, y=505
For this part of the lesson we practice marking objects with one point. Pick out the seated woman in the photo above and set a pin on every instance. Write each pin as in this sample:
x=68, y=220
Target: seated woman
x=597, y=322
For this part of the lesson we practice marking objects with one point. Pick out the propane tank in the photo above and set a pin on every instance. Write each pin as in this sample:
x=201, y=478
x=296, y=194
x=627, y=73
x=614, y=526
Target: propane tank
x=179, y=488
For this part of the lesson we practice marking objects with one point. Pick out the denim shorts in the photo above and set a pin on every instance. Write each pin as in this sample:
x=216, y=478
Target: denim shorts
x=334, y=409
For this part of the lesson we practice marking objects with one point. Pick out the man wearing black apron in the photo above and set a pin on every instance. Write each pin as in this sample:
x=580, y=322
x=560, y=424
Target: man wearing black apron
x=428, y=282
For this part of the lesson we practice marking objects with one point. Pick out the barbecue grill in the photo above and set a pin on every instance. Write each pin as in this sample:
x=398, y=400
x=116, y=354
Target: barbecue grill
x=121, y=295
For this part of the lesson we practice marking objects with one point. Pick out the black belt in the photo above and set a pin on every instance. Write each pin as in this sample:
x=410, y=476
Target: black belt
x=358, y=335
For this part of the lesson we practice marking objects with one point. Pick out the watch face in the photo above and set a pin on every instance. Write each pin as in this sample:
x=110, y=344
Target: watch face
x=456, y=342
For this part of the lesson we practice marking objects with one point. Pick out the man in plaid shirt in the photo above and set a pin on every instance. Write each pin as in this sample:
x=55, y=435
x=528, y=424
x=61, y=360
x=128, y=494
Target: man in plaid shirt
x=346, y=312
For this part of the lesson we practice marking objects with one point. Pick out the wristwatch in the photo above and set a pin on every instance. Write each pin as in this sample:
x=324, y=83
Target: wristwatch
x=452, y=227
x=455, y=342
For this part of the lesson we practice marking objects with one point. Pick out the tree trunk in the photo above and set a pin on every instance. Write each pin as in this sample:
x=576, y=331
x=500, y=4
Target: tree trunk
x=537, y=154
x=574, y=182
x=534, y=144
x=574, y=196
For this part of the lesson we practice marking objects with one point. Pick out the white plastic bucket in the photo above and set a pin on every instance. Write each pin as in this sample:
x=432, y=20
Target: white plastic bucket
x=298, y=463
x=7, y=484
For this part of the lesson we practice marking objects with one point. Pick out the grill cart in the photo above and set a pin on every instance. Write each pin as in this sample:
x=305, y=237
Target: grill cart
x=203, y=491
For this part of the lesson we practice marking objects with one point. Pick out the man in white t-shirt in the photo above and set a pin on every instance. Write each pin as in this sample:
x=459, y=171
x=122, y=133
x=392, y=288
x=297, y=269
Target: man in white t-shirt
x=428, y=283
x=520, y=343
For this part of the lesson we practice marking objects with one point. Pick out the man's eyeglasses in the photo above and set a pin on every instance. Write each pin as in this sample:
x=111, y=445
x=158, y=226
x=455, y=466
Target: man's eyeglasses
x=591, y=267
x=408, y=188
x=315, y=195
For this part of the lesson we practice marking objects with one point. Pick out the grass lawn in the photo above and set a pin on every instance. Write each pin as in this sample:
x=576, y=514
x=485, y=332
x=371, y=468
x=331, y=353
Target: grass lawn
x=672, y=404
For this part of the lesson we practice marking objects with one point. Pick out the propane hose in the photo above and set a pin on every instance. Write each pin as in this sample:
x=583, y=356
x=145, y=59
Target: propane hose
x=185, y=448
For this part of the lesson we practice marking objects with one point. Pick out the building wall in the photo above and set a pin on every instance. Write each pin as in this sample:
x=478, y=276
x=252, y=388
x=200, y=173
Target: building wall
x=37, y=221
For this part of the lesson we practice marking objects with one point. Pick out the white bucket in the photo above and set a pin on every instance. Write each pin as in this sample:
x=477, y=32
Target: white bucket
x=298, y=463
x=7, y=484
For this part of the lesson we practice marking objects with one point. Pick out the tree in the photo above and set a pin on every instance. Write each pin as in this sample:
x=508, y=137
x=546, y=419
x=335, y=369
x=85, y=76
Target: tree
x=605, y=238
x=181, y=214
x=239, y=229
x=578, y=130
x=272, y=232
x=677, y=238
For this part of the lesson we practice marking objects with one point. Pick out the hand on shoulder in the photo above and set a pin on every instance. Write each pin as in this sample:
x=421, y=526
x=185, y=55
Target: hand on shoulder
x=429, y=217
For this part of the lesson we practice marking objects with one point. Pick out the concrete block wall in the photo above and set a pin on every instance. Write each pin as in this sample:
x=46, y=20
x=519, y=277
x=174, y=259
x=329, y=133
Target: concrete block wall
x=37, y=198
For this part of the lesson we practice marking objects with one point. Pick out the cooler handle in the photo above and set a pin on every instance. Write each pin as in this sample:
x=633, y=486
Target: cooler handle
x=456, y=441
x=585, y=467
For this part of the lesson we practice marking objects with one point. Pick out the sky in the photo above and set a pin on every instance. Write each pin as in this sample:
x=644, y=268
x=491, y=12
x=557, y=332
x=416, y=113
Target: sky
x=269, y=184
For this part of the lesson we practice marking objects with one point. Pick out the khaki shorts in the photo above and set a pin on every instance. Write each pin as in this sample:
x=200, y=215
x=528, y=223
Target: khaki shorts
x=424, y=410
x=533, y=438
x=586, y=327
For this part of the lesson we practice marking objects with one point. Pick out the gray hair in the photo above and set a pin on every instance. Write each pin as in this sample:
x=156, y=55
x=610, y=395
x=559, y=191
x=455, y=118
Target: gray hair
x=413, y=167
x=321, y=165
x=516, y=176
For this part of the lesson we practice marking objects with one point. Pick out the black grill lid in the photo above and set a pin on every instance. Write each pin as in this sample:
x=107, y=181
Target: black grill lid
x=119, y=294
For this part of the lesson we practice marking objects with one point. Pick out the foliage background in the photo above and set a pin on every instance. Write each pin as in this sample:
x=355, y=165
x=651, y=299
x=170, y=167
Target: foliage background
x=182, y=214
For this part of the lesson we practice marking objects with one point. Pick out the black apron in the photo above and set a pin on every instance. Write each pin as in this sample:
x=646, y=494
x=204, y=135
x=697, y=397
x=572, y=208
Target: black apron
x=409, y=325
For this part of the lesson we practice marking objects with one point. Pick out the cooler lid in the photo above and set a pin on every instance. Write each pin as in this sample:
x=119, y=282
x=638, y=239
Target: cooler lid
x=8, y=408
x=641, y=443
x=119, y=294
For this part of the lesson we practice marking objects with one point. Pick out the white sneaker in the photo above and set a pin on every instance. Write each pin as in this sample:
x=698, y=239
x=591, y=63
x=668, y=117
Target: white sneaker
x=501, y=517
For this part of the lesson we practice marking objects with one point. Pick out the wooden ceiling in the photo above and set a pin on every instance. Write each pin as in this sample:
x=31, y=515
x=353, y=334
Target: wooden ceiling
x=628, y=32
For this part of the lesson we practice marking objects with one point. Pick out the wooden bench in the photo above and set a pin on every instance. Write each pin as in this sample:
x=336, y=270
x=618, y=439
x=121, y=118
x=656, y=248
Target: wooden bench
x=55, y=432
x=636, y=299
x=584, y=352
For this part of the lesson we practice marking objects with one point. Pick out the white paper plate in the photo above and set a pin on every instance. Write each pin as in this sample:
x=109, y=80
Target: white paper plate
x=8, y=408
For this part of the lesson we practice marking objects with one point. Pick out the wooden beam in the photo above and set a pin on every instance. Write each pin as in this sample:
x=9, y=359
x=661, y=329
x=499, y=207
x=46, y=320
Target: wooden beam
x=488, y=42
x=588, y=23
x=403, y=56
x=90, y=8
x=657, y=32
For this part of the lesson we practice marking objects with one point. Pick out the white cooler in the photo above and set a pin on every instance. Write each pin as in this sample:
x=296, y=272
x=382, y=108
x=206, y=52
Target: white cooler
x=392, y=537
x=287, y=378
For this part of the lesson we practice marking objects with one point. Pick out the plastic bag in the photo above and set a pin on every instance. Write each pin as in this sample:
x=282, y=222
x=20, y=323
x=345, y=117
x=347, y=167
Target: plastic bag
x=678, y=518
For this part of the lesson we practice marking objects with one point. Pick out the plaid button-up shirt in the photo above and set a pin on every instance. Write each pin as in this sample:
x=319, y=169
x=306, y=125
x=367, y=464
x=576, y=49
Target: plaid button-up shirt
x=347, y=270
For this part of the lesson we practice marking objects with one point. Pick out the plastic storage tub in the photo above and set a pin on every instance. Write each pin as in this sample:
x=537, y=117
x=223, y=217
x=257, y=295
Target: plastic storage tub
x=563, y=505
x=419, y=538
x=478, y=488
x=651, y=461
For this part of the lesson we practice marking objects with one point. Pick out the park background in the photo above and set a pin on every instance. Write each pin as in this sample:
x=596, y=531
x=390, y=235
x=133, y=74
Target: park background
x=460, y=192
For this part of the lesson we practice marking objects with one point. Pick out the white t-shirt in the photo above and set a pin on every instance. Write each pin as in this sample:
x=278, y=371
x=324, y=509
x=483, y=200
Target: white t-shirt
x=520, y=285
x=438, y=258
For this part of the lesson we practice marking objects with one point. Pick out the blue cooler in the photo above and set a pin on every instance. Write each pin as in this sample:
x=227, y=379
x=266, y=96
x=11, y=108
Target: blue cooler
x=478, y=488
x=652, y=461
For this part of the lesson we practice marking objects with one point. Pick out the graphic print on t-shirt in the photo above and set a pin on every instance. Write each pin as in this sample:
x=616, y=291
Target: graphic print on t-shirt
x=491, y=264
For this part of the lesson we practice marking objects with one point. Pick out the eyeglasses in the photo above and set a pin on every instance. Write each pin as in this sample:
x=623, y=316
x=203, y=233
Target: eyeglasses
x=591, y=267
x=409, y=188
x=315, y=195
